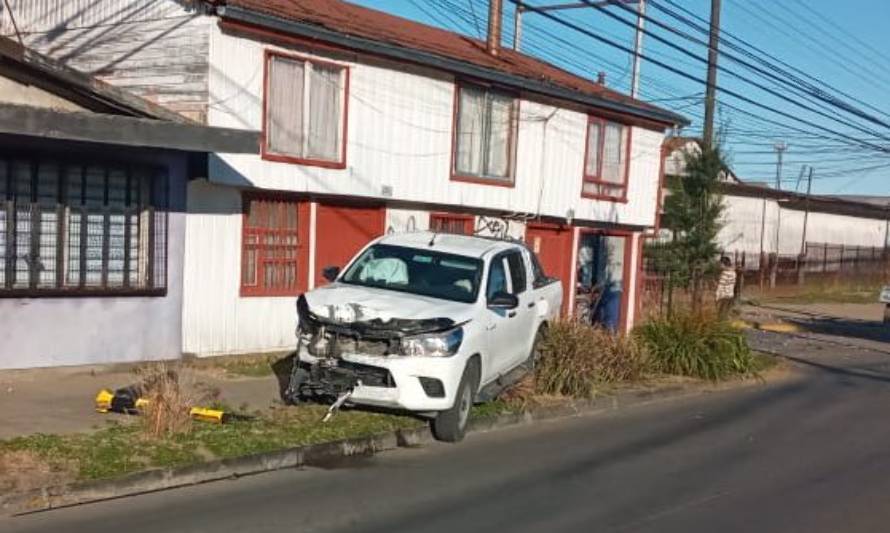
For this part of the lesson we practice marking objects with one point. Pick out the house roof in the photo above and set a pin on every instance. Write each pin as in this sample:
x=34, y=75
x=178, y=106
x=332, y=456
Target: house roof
x=113, y=116
x=815, y=203
x=361, y=23
x=32, y=68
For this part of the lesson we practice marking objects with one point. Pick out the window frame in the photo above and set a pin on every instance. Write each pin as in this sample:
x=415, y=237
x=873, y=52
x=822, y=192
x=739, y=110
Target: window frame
x=597, y=179
x=270, y=155
x=302, y=253
x=158, y=281
x=513, y=136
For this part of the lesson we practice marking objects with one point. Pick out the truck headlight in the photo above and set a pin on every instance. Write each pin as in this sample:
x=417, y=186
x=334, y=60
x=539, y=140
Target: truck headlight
x=442, y=344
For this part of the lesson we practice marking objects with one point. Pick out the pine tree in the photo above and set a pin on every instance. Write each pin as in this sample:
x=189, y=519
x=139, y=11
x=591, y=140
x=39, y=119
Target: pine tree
x=692, y=212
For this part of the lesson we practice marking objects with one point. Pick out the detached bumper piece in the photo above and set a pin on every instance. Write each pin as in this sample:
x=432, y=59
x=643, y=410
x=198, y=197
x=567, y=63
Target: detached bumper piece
x=128, y=401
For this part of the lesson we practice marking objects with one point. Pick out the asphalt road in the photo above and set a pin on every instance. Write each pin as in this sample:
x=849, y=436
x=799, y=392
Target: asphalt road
x=810, y=454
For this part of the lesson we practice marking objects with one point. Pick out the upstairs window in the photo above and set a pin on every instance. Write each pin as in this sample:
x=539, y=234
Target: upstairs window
x=606, y=165
x=81, y=227
x=305, y=111
x=485, y=143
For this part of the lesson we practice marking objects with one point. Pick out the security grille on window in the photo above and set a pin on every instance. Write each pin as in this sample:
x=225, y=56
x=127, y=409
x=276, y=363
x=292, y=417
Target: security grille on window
x=485, y=144
x=69, y=227
x=605, y=168
x=270, y=249
x=305, y=109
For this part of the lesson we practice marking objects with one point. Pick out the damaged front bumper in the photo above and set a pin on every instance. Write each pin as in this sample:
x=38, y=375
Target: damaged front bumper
x=411, y=384
x=366, y=359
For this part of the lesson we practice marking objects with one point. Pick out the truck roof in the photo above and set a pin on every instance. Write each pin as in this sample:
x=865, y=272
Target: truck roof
x=466, y=245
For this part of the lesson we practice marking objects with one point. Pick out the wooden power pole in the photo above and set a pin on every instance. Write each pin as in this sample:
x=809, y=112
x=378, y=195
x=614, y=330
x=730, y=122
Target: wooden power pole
x=711, y=89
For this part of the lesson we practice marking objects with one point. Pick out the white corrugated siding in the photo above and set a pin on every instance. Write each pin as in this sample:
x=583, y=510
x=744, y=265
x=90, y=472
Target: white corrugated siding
x=157, y=49
x=743, y=218
x=400, y=124
x=216, y=320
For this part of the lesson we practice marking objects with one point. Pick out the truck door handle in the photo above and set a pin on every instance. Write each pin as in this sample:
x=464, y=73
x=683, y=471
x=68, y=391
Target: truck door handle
x=531, y=304
x=511, y=314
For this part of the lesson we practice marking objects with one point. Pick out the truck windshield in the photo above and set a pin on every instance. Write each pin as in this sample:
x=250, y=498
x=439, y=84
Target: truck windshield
x=416, y=271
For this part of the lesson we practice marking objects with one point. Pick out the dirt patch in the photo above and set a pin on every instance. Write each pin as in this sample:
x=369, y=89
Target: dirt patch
x=23, y=470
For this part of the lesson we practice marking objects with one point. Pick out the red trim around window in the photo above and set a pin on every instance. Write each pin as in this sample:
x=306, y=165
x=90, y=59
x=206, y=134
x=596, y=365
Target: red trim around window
x=302, y=247
x=468, y=221
x=513, y=139
x=587, y=178
x=283, y=158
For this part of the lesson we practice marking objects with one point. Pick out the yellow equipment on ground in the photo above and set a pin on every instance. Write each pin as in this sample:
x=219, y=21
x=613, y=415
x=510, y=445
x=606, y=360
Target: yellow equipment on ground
x=127, y=401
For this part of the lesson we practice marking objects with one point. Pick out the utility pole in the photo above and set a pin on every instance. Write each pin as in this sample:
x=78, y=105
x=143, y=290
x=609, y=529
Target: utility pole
x=806, y=213
x=638, y=49
x=780, y=149
x=711, y=89
x=801, y=258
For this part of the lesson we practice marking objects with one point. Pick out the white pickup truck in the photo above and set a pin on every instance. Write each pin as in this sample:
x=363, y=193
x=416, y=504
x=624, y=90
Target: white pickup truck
x=424, y=322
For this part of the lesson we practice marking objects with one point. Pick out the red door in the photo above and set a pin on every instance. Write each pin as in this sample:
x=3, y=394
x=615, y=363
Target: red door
x=341, y=231
x=553, y=245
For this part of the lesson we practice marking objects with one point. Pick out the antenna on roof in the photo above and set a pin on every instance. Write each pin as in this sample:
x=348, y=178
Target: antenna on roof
x=433, y=239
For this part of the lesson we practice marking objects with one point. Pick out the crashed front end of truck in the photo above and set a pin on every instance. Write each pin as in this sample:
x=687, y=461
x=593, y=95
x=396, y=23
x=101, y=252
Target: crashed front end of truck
x=344, y=348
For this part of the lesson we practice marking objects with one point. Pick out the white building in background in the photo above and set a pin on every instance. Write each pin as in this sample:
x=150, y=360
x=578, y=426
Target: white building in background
x=758, y=218
x=369, y=123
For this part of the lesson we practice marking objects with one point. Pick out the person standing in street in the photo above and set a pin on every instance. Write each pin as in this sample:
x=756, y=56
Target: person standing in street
x=725, y=288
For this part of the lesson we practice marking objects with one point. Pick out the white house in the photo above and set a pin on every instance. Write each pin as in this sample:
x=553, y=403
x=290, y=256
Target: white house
x=370, y=123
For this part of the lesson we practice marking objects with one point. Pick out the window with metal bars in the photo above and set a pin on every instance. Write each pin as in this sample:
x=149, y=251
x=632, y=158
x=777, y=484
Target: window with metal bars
x=271, y=246
x=74, y=227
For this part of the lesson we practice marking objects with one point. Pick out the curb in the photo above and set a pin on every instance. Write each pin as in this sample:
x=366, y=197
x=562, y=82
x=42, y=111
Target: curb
x=325, y=454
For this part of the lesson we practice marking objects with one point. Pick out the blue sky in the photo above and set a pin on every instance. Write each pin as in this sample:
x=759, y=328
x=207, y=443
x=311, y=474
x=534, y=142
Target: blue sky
x=842, y=46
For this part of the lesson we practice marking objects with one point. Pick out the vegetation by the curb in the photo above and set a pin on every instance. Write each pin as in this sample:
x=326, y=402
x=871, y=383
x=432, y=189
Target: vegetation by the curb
x=576, y=360
x=696, y=345
x=122, y=449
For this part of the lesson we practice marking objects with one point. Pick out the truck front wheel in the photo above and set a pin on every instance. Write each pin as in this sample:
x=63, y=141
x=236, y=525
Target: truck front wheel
x=451, y=425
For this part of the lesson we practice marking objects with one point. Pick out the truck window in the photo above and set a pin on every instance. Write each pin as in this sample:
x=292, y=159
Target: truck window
x=517, y=272
x=416, y=271
x=497, y=277
x=539, y=279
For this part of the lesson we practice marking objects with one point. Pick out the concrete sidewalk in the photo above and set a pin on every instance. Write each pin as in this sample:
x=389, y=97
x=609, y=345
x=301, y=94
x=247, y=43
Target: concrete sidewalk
x=62, y=400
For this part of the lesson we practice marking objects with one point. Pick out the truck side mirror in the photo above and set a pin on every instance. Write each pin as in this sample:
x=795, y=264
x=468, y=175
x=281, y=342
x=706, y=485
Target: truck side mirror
x=330, y=273
x=503, y=300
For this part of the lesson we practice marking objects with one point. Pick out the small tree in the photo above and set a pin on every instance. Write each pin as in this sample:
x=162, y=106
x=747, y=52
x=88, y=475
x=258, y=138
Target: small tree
x=692, y=212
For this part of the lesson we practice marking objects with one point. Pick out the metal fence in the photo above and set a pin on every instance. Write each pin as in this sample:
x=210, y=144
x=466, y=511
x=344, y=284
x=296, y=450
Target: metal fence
x=821, y=264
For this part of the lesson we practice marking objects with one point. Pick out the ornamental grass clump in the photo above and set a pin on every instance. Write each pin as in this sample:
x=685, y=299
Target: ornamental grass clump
x=696, y=345
x=577, y=359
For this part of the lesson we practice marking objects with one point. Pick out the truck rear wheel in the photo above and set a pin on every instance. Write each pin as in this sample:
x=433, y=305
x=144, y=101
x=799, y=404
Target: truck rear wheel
x=451, y=425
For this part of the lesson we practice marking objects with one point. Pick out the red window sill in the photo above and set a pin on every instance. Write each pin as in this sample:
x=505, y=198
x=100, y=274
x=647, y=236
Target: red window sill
x=606, y=197
x=483, y=181
x=337, y=165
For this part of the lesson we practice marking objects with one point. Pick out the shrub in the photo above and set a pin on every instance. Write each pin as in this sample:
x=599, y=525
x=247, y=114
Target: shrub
x=696, y=345
x=171, y=392
x=576, y=358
